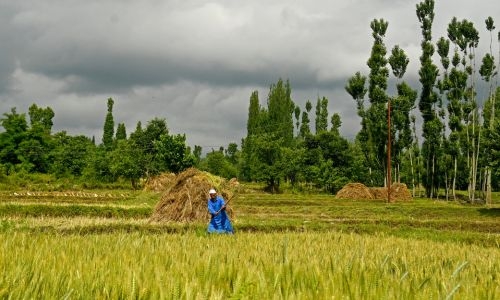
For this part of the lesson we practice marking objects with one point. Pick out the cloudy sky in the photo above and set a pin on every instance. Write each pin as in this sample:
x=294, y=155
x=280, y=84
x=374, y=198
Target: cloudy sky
x=195, y=63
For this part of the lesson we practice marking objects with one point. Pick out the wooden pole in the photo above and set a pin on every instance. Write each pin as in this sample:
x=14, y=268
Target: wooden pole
x=389, y=150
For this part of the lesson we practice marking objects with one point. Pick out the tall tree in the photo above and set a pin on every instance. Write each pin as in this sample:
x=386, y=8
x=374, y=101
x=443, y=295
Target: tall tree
x=263, y=147
x=356, y=87
x=432, y=127
x=41, y=117
x=450, y=145
x=376, y=114
x=336, y=123
x=280, y=112
x=121, y=132
x=109, y=127
x=296, y=112
x=255, y=126
x=321, y=120
x=305, y=128
x=70, y=154
x=34, y=151
x=456, y=86
x=173, y=152
x=487, y=72
x=15, y=130
x=403, y=104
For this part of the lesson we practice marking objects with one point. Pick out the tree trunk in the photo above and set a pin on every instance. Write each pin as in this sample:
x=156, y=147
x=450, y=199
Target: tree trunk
x=455, y=179
x=412, y=175
x=488, y=186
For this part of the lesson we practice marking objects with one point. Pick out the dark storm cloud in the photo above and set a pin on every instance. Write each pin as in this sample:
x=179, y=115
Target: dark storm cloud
x=196, y=63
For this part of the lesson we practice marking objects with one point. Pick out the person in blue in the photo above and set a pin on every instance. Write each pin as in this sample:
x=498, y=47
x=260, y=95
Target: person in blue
x=219, y=220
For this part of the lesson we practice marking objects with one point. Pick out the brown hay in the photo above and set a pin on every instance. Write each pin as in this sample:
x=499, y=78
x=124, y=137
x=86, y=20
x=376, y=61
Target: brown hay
x=399, y=192
x=160, y=183
x=354, y=191
x=186, y=199
x=379, y=193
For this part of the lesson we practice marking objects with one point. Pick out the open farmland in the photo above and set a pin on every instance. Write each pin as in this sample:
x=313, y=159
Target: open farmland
x=101, y=244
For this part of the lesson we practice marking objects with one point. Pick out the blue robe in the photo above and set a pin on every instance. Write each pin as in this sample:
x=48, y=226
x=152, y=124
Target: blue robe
x=219, y=223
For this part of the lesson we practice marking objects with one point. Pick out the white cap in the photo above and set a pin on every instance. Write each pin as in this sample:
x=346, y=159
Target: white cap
x=212, y=191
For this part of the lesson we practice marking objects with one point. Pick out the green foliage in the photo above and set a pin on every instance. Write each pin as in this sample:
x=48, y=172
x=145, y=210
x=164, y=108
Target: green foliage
x=328, y=160
x=70, y=154
x=218, y=164
x=173, y=152
x=124, y=162
x=109, y=127
x=121, y=133
x=321, y=121
x=15, y=127
x=268, y=132
x=280, y=148
x=305, y=128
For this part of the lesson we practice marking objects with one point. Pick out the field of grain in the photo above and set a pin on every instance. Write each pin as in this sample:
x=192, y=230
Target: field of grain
x=286, y=246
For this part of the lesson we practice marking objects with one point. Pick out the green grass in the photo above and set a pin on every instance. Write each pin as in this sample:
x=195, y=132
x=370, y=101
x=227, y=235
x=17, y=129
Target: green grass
x=247, y=265
x=101, y=244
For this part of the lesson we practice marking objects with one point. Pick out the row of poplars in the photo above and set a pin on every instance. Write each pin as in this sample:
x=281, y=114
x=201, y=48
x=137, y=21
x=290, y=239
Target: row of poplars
x=246, y=265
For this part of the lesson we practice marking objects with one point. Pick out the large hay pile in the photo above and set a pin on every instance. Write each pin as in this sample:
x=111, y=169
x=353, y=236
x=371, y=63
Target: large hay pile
x=160, y=183
x=399, y=191
x=354, y=191
x=186, y=199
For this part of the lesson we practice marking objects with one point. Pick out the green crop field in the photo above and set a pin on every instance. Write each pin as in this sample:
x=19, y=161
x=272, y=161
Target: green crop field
x=102, y=245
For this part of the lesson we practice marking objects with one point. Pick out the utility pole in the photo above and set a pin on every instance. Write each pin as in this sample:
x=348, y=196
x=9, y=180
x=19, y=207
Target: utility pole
x=389, y=150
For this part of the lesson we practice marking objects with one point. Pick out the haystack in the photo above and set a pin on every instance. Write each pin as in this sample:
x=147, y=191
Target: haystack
x=379, y=193
x=399, y=191
x=354, y=191
x=160, y=183
x=186, y=199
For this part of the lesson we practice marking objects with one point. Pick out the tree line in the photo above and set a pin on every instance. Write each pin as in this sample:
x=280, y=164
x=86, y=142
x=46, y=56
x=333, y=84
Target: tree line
x=458, y=148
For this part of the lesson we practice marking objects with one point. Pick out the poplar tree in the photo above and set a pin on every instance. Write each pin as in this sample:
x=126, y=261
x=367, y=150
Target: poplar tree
x=471, y=108
x=456, y=86
x=280, y=110
x=321, y=121
x=450, y=143
x=356, y=87
x=254, y=128
x=121, y=132
x=466, y=38
x=305, y=128
x=376, y=114
x=269, y=135
x=487, y=72
x=296, y=113
x=336, y=123
x=109, y=127
x=432, y=126
x=402, y=105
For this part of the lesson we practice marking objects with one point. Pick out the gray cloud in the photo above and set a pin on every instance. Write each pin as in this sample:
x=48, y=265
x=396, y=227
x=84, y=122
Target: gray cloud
x=195, y=64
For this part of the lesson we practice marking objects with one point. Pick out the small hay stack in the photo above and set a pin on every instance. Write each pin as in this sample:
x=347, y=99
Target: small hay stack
x=379, y=193
x=160, y=183
x=354, y=191
x=399, y=191
x=186, y=199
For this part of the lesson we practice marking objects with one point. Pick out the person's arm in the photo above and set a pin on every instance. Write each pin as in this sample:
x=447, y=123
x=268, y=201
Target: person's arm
x=222, y=204
x=211, y=208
